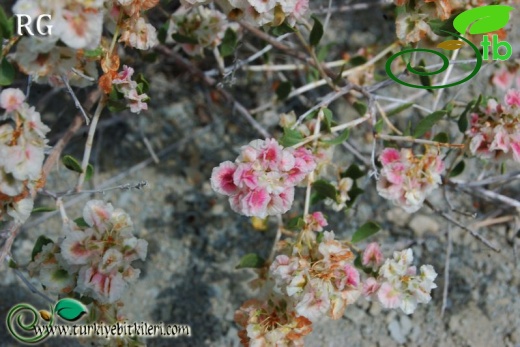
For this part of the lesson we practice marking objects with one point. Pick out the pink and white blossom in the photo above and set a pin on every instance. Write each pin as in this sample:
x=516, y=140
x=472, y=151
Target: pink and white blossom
x=261, y=181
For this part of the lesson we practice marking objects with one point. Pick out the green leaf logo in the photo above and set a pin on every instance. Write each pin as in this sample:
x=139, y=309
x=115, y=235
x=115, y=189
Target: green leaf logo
x=483, y=19
x=69, y=309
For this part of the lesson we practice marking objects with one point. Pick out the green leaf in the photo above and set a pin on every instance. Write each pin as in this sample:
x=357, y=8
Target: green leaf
x=72, y=163
x=251, y=260
x=12, y=264
x=425, y=80
x=458, y=169
x=357, y=60
x=462, y=123
x=116, y=105
x=339, y=139
x=319, y=237
x=324, y=190
x=229, y=43
x=143, y=84
x=378, y=128
x=427, y=122
x=40, y=242
x=327, y=118
x=6, y=30
x=296, y=223
x=354, y=172
x=316, y=32
x=179, y=38
x=93, y=53
x=80, y=222
x=43, y=209
x=360, y=107
x=283, y=90
x=353, y=193
x=89, y=173
x=365, y=231
x=290, y=137
x=162, y=32
x=399, y=109
x=441, y=137
x=70, y=309
x=6, y=72
x=282, y=29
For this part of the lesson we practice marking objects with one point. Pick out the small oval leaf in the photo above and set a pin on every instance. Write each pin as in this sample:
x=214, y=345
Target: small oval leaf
x=366, y=230
x=451, y=45
x=70, y=309
x=316, y=32
x=71, y=163
x=251, y=260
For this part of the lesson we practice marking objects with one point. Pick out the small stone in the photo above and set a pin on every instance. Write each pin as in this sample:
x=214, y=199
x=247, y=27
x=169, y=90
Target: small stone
x=398, y=216
x=375, y=309
x=396, y=332
x=406, y=325
x=422, y=224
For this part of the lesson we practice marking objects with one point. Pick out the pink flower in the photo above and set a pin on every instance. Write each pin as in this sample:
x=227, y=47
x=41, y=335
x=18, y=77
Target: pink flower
x=261, y=181
x=316, y=221
x=351, y=276
x=512, y=98
x=222, y=178
x=74, y=247
x=124, y=76
x=11, y=99
x=96, y=213
x=281, y=203
x=255, y=203
x=503, y=79
x=389, y=155
x=389, y=296
x=245, y=177
x=372, y=256
x=370, y=286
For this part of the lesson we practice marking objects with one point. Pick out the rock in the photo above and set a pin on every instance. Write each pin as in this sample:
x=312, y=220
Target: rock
x=422, y=224
x=398, y=216
x=396, y=332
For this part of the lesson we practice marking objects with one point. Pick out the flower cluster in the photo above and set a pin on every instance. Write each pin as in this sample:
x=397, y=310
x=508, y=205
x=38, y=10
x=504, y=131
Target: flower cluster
x=94, y=259
x=22, y=144
x=317, y=278
x=136, y=33
x=135, y=99
x=76, y=27
x=199, y=29
x=407, y=179
x=261, y=12
x=398, y=285
x=261, y=181
x=495, y=131
x=344, y=185
x=305, y=285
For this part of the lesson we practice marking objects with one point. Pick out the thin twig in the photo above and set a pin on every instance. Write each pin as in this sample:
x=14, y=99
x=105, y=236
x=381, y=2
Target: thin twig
x=463, y=227
x=76, y=101
x=420, y=141
x=29, y=285
x=446, y=271
x=276, y=239
x=127, y=186
x=90, y=141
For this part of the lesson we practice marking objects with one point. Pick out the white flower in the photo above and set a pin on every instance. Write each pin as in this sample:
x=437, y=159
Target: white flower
x=20, y=210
